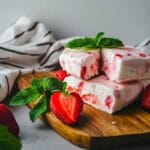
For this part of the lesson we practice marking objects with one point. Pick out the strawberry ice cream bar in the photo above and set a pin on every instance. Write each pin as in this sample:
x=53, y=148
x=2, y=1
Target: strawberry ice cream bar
x=105, y=94
x=79, y=63
x=125, y=64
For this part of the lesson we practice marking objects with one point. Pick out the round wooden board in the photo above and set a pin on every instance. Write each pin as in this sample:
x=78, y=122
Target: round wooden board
x=96, y=129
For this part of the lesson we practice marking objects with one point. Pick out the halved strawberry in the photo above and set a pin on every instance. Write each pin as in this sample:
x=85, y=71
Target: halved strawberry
x=146, y=98
x=67, y=107
x=7, y=118
x=61, y=74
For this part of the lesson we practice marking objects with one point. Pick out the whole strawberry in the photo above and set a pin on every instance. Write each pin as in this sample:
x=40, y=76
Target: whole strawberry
x=8, y=119
x=146, y=98
x=61, y=74
x=66, y=107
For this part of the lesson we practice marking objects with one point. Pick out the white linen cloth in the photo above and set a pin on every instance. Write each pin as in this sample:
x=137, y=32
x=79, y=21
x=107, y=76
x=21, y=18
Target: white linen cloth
x=144, y=46
x=28, y=47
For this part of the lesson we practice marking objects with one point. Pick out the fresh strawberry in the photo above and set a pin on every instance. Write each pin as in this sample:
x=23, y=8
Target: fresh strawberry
x=61, y=74
x=7, y=118
x=146, y=98
x=67, y=107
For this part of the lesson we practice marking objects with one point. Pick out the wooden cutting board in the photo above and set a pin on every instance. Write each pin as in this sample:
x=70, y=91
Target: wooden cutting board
x=97, y=130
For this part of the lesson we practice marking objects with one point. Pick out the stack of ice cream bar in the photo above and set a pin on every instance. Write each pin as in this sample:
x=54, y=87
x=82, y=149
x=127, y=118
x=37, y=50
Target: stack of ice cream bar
x=107, y=79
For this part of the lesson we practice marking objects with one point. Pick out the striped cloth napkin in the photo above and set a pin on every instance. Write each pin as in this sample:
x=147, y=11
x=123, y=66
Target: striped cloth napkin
x=28, y=47
x=144, y=46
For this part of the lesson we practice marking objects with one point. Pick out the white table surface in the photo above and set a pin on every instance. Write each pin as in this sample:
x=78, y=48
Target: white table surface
x=39, y=136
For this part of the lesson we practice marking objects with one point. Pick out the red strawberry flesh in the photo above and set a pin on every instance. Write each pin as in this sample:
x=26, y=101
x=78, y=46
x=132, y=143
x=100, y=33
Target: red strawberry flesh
x=61, y=74
x=66, y=107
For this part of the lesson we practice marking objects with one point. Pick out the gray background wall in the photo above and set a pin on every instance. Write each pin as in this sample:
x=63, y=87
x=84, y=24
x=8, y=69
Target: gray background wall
x=128, y=20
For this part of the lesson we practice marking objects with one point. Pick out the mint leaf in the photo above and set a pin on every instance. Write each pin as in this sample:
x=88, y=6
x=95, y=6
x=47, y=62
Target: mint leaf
x=7, y=140
x=45, y=82
x=86, y=43
x=93, y=43
x=24, y=96
x=37, y=88
x=39, y=109
x=36, y=85
x=98, y=38
x=52, y=84
x=110, y=43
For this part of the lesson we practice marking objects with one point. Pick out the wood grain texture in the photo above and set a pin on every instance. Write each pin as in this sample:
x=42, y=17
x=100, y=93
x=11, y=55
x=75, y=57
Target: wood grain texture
x=98, y=130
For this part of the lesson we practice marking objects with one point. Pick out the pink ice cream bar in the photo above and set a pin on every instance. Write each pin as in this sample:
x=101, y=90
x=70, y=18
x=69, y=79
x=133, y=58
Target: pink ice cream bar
x=104, y=94
x=79, y=63
x=125, y=64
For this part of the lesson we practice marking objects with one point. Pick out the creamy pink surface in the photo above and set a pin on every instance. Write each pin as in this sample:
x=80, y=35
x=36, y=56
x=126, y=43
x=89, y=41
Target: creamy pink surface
x=125, y=64
x=80, y=63
x=104, y=94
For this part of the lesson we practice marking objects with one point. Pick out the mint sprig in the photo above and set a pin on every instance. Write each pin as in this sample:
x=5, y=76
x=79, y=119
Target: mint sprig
x=94, y=43
x=40, y=88
x=8, y=141
x=39, y=109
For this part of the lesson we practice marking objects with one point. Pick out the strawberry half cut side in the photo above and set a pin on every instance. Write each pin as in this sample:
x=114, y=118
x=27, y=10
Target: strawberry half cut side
x=66, y=107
